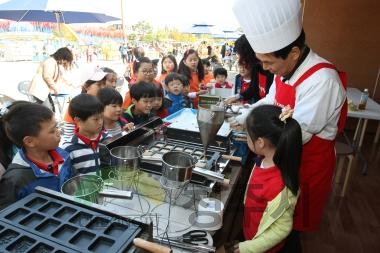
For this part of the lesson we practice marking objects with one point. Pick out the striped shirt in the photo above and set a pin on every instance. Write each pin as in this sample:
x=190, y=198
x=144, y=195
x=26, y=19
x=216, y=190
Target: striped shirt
x=84, y=158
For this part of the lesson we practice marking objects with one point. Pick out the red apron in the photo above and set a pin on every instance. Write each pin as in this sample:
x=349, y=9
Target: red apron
x=317, y=164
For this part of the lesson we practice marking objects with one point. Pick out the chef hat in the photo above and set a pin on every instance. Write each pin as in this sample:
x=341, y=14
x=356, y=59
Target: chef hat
x=269, y=25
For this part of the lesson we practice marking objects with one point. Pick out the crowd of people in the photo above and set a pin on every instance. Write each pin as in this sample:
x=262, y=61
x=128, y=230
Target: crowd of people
x=296, y=108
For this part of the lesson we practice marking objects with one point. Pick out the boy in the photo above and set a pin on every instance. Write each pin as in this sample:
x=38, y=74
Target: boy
x=87, y=112
x=140, y=110
x=174, y=87
x=39, y=162
x=220, y=75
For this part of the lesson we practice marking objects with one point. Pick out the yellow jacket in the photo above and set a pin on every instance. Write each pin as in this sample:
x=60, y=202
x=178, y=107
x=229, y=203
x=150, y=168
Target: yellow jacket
x=275, y=225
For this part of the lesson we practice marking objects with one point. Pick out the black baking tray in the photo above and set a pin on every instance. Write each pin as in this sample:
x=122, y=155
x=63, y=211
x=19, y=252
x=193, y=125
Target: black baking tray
x=76, y=227
x=14, y=239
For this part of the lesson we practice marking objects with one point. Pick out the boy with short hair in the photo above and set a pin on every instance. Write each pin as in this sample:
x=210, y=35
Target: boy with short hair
x=87, y=112
x=142, y=94
x=39, y=161
x=220, y=75
x=174, y=88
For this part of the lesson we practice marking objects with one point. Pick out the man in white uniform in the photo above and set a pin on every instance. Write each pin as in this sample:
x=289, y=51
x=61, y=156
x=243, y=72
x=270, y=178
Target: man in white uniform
x=310, y=85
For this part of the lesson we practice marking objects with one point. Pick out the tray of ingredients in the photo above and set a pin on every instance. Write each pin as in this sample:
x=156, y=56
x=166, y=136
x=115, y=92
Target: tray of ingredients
x=38, y=218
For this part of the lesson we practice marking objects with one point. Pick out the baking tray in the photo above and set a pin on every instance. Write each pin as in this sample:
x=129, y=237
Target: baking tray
x=13, y=239
x=68, y=225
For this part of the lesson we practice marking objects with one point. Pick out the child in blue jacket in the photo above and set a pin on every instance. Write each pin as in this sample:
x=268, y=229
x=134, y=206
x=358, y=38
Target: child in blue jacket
x=40, y=162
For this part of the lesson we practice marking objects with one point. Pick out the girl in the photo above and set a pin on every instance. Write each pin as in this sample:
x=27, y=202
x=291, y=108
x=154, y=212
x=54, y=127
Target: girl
x=168, y=65
x=191, y=67
x=252, y=83
x=111, y=77
x=95, y=80
x=158, y=106
x=272, y=189
x=113, y=122
x=144, y=72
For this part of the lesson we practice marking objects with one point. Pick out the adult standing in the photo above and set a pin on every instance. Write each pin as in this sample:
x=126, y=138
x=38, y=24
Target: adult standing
x=310, y=85
x=48, y=73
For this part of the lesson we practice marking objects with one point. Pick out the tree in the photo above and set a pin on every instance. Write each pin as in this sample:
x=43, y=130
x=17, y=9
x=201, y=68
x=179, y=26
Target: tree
x=143, y=30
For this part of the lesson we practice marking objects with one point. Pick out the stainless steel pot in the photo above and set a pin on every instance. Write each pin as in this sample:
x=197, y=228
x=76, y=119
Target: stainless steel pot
x=85, y=187
x=177, y=168
x=90, y=188
x=125, y=164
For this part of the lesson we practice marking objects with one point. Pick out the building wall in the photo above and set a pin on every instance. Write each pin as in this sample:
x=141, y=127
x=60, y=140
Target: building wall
x=347, y=33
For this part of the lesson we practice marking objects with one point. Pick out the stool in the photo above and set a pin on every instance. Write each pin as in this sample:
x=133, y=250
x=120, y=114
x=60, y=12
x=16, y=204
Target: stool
x=343, y=151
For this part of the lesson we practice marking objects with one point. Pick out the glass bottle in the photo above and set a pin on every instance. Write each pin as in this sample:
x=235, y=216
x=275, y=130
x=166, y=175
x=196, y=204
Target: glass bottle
x=363, y=100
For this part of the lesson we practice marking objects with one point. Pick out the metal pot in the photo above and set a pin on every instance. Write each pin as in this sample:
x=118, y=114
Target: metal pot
x=177, y=168
x=90, y=188
x=85, y=187
x=125, y=163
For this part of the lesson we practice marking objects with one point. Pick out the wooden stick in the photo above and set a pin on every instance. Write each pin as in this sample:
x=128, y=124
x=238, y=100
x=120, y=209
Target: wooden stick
x=151, y=246
x=232, y=158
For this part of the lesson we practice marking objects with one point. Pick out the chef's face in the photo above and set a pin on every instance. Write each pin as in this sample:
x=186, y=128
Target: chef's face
x=277, y=65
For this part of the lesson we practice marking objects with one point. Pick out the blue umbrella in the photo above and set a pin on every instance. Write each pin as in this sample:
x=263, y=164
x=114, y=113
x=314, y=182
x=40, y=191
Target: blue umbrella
x=60, y=11
x=202, y=28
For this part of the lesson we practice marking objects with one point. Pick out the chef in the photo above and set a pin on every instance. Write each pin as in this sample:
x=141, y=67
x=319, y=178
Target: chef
x=310, y=85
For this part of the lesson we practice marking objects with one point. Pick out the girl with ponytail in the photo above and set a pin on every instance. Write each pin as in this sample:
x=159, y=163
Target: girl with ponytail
x=272, y=190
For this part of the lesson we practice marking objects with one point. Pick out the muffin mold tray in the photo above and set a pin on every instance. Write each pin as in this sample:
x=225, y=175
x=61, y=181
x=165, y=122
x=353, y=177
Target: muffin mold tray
x=57, y=226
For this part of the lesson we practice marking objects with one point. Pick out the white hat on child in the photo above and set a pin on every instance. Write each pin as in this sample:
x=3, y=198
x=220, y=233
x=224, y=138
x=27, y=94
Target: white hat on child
x=269, y=25
x=92, y=73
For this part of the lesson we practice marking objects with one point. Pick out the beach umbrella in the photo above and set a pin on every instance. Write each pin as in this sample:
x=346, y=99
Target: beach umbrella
x=60, y=11
x=202, y=28
x=228, y=35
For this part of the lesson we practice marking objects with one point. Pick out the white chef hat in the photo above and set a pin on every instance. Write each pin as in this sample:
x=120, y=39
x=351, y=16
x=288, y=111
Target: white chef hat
x=269, y=25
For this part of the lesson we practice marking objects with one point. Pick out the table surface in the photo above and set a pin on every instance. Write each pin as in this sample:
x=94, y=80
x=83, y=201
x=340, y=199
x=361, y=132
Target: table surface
x=148, y=205
x=372, y=110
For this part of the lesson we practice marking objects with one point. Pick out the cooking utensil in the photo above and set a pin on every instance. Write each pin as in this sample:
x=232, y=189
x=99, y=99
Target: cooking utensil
x=90, y=187
x=209, y=122
x=184, y=245
x=177, y=168
x=151, y=246
x=125, y=163
x=193, y=237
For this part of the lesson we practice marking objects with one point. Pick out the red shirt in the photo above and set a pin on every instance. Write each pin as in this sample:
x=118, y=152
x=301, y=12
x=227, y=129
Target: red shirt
x=264, y=185
x=226, y=85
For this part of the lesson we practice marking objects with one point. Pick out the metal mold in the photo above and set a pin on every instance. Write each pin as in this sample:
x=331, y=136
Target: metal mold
x=48, y=226
x=101, y=245
x=64, y=232
x=17, y=215
x=23, y=244
x=82, y=239
x=81, y=219
x=42, y=248
x=98, y=223
x=50, y=208
x=65, y=213
x=116, y=229
x=36, y=203
x=32, y=220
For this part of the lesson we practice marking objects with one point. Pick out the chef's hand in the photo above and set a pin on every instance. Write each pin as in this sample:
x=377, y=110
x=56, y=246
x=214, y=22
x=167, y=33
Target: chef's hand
x=201, y=92
x=129, y=127
x=236, y=248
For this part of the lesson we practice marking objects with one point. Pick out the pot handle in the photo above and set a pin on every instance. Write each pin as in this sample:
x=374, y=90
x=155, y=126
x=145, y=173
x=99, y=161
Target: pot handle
x=141, y=149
